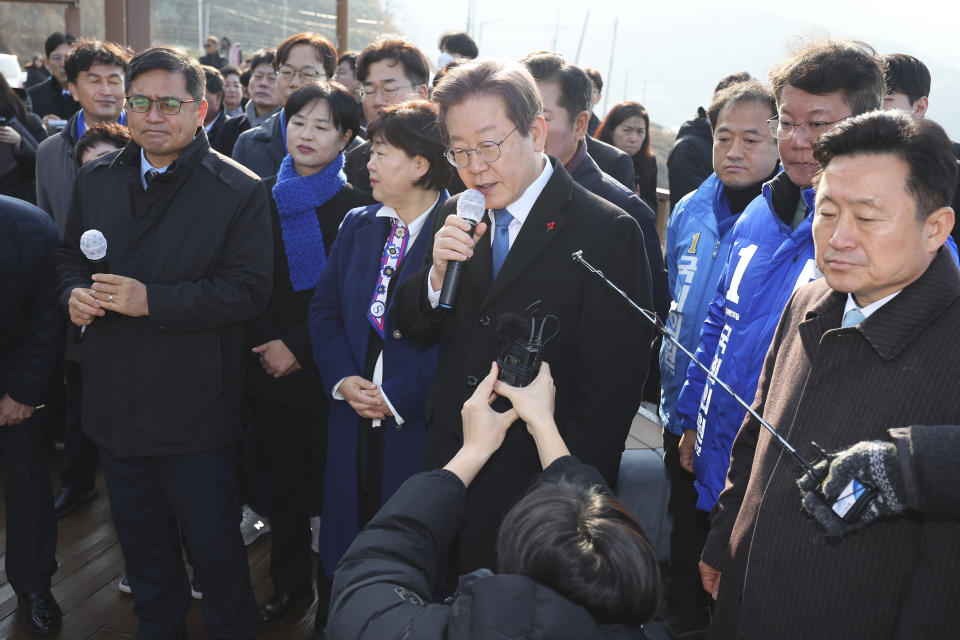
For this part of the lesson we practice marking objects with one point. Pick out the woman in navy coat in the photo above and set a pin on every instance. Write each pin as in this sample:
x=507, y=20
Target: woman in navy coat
x=377, y=379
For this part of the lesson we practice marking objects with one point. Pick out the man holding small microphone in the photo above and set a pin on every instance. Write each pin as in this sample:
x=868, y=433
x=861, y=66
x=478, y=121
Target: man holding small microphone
x=188, y=244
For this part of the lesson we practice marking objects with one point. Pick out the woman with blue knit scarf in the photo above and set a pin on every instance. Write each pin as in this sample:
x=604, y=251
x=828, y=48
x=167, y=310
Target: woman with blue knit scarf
x=378, y=380
x=310, y=199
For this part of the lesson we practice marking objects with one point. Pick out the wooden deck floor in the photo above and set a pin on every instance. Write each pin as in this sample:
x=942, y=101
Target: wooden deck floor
x=91, y=565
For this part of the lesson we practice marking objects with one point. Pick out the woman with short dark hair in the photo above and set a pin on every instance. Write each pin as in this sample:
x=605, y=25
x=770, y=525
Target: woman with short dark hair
x=310, y=198
x=378, y=380
x=627, y=127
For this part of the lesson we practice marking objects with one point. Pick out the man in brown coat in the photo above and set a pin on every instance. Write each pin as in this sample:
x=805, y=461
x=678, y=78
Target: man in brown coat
x=870, y=347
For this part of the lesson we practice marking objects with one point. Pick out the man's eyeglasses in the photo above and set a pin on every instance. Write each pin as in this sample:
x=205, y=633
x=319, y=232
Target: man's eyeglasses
x=368, y=91
x=783, y=129
x=167, y=106
x=307, y=74
x=488, y=151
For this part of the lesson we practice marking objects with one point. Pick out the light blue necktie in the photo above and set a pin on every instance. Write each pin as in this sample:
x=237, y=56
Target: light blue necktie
x=853, y=317
x=501, y=239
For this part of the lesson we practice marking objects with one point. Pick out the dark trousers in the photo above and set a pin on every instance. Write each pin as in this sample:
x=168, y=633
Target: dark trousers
x=293, y=441
x=252, y=472
x=152, y=499
x=31, y=525
x=686, y=599
x=79, y=461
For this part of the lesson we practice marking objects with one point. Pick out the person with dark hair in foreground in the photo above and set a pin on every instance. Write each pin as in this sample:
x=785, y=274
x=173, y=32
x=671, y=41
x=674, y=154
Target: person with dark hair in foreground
x=572, y=562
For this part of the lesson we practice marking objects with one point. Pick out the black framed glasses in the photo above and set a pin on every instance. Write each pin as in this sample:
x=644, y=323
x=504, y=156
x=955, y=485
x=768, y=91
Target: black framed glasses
x=488, y=151
x=307, y=74
x=168, y=106
x=783, y=129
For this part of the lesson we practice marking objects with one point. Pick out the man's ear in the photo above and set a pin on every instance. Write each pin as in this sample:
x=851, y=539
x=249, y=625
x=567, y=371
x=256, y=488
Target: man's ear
x=538, y=133
x=580, y=124
x=939, y=224
x=920, y=106
x=74, y=91
x=201, y=112
x=422, y=91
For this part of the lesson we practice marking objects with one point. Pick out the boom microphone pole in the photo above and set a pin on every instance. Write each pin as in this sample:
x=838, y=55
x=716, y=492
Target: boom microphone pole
x=852, y=500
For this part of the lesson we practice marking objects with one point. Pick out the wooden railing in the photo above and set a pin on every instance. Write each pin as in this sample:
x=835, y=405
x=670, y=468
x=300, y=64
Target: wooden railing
x=663, y=216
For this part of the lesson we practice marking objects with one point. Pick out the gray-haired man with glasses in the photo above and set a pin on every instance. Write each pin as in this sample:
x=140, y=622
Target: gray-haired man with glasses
x=187, y=236
x=491, y=115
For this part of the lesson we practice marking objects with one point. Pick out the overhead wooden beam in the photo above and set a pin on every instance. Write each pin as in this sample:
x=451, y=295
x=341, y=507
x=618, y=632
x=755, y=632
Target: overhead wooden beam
x=343, y=25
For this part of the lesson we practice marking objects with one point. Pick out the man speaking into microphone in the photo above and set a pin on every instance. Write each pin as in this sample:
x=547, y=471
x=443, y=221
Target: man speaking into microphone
x=491, y=115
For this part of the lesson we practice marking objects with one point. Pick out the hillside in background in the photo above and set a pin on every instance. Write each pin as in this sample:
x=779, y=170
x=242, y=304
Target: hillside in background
x=661, y=141
x=248, y=23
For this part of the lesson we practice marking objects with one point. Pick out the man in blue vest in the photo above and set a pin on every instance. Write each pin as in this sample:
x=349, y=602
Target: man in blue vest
x=698, y=241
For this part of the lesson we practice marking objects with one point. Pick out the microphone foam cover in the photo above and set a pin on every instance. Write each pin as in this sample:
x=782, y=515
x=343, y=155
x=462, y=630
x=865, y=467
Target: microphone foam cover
x=93, y=245
x=471, y=205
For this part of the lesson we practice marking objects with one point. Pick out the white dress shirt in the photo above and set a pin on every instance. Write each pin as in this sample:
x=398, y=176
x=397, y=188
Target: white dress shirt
x=413, y=229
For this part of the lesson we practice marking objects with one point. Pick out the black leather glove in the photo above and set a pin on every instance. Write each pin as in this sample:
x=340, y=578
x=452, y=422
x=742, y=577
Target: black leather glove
x=874, y=463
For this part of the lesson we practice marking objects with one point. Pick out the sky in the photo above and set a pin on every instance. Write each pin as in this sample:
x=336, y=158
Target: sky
x=669, y=55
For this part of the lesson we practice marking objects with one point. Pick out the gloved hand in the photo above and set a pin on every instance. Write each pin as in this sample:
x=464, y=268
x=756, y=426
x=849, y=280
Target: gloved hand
x=874, y=463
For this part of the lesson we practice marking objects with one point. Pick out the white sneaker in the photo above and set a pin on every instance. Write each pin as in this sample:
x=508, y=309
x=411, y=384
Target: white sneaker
x=315, y=534
x=252, y=525
x=124, y=585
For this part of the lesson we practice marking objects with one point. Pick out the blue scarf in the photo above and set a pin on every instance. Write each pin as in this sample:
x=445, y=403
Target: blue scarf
x=297, y=197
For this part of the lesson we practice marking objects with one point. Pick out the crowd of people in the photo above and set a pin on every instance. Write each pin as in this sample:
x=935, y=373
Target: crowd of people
x=256, y=299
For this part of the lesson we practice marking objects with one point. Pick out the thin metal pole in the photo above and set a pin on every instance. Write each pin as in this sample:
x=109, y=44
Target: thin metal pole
x=652, y=318
x=613, y=48
x=200, y=35
x=583, y=32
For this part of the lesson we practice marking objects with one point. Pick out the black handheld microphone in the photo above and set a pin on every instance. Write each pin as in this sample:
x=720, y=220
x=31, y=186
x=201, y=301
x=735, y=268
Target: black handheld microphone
x=94, y=248
x=470, y=207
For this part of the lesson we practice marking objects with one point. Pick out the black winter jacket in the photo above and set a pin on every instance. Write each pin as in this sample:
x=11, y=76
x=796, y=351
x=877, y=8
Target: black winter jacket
x=20, y=181
x=691, y=159
x=613, y=162
x=31, y=322
x=383, y=585
x=200, y=239
x=589, y=176
x=48, y=98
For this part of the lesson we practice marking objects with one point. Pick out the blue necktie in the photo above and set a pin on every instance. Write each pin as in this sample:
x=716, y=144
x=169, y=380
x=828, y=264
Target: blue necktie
x=853, y=317
x=501, y=239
